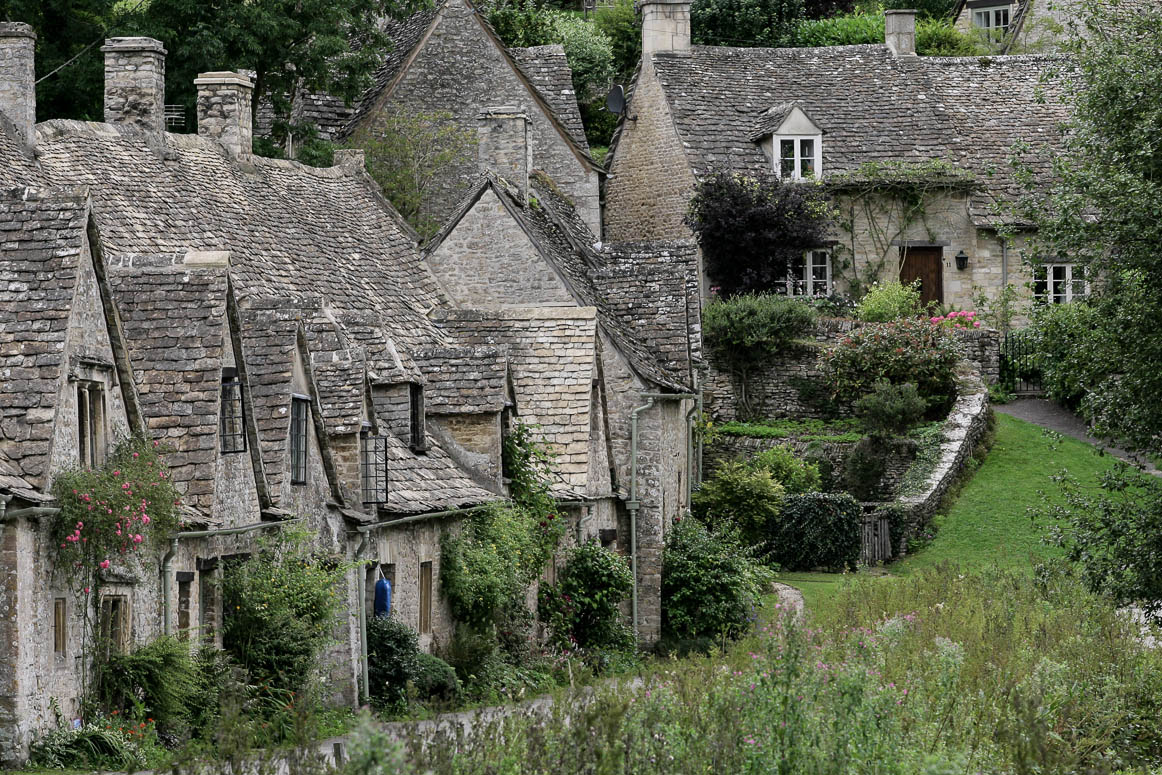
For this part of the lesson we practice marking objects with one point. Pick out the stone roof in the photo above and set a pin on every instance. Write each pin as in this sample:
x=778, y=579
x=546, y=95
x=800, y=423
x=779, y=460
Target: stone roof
x=174, y=319
x=42, y=241
x=772, y=118
x=427, y=482
x=342, y=387
x=871, y=105
x=549, y=71
x=464, y=380
x=562, y=238
x=552, y=357
x=13, y=482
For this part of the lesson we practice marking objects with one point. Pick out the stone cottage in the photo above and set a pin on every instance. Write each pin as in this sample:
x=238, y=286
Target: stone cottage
x=278, y=327
x=448, y=59
x=1027, y=26
x=849, y=116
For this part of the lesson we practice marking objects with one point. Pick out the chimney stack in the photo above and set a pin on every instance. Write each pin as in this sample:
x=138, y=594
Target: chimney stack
x=18, y=78
x=224, y=105
x=135, y=82
x=504, y=146
x=900, y=32
x=665, y=26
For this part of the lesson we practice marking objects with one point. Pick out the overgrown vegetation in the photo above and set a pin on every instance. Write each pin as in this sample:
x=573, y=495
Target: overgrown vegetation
x=890, y=410
x=836, y=430
x=816, y=530
x=395, y=663
x=739, y=499
x=583, y=608
x=888, y=301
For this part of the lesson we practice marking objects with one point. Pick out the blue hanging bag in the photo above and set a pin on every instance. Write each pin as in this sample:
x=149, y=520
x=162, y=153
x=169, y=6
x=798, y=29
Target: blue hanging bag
x=383, y=597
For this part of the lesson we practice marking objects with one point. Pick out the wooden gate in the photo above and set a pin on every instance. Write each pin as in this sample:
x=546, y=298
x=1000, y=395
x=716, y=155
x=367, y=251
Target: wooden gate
x=925, y=264
x=875, y=544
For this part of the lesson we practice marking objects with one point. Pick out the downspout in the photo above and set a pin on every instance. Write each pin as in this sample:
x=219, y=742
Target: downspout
x=167, y=560
x=365, y=532
x=1004, y=262
x=633, y=505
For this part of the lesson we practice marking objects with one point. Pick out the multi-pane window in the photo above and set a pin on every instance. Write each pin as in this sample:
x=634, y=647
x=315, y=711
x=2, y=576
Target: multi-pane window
x=90, y=424
x=115, y=623
x=995, y=20
x=416, y=413
x=373, y=466
x=1058, y=283
x=300, y=414
x=808, y=275
x=798, y=158
x=231, y=430
x=425, y=597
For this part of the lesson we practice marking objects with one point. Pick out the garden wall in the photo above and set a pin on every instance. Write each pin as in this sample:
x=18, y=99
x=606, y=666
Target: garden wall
x=777, y=390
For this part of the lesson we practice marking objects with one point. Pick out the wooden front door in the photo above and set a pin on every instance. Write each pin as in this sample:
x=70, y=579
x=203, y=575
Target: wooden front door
x=925, y=264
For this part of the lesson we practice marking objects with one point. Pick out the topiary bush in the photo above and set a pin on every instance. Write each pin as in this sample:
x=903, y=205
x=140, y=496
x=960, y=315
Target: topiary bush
x=583, y=609
x=817, y=530
x=739, y=497
x=912, y=351
x=885, y=302
x=711, y=583
x=393, y=652
x=794, y=473
x=890, y=410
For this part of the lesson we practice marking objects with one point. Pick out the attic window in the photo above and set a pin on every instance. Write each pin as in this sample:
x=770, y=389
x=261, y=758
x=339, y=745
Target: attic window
x=994, y=19
x=231, y=430
x=798, y=158
x=300, y=411
x=416, y=413
x=90, y=423
x=373, y=466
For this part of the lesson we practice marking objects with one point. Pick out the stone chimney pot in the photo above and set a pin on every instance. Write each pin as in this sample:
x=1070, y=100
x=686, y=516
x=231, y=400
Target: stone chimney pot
x=18, y=78
x=504, y=146
x=900, y=31
x=224, y=110
x=135, y=82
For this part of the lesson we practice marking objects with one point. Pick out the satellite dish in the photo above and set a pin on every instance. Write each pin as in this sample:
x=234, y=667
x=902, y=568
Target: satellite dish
x=615, y=100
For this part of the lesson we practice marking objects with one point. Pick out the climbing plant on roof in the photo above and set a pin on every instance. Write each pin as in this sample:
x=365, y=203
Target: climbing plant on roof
x=888, y=199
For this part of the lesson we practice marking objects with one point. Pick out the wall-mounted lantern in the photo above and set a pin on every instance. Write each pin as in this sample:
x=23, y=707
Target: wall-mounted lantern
x=962, y=261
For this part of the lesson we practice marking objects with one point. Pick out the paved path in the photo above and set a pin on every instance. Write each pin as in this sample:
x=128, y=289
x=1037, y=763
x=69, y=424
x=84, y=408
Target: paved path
x=1048, y=414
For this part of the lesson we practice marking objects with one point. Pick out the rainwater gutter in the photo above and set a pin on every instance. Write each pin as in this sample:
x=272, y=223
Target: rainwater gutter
x=167, y=560
x=365, y=532
x=634, y=504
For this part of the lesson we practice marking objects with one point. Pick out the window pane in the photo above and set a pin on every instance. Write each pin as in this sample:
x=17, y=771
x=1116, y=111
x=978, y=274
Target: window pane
x=807, y=158
x=787, y=158
x=374, y=468
x=416, y=401
x=231, y=432
x=298, y=440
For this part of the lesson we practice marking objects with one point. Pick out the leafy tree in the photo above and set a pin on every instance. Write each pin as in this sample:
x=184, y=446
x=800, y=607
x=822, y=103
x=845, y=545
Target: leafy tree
x=583, y=609
x=623, y=27
x=739, y=497
x=69, y=36
x=745, y=22
x=1102, y=211
x=750, y=229
x=289, y=45
x=926, y=9
x=407, y=153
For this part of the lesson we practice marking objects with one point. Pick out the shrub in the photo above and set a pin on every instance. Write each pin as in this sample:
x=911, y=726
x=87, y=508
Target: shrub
x=817, y=530
x=95, y=746
x=213, y=674
x=891, y=410
x=1063, y=337
x=795, y=474
x=588, y=51
x=864, y=469
x=885, y=302
x=435, y=679
x=939, y=38
x=583, y=609
x=281, y=605
x=739, y=497
x=849, y=29
x=155, y=681
x=393, y=651
x=750, y=229
x=711, y=584
x=770, y=23
x=905, y=351
x=747, y=331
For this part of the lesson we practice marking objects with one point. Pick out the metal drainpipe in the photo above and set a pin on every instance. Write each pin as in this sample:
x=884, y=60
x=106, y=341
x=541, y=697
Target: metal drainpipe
x=1004, y=262
x=167, y=608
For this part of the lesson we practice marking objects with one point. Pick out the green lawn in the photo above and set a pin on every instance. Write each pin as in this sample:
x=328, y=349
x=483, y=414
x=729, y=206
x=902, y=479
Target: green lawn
x=988, y=524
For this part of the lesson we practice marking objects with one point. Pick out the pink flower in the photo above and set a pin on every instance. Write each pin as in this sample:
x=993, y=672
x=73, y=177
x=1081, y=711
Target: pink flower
x=976, y=324
x=144, y=519
x=86, y=590
x=104, y=564
x=135, y=454
x=137, y=538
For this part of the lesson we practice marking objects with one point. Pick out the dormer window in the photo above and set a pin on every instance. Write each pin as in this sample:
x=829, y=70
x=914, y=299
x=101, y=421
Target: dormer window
x=90, y=423
x=418, y=435
x=231, y=432
x=372, y=466
x=792, y=141
x=800, y=158
x=300, y=415
x=995, y=19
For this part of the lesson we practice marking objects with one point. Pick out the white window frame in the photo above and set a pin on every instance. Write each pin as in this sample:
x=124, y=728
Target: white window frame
x=797, y=172
x=989, y=15
x=803, y=283
x=1069, y=284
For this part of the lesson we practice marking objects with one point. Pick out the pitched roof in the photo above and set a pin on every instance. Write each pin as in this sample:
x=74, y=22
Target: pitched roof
x=174, y=318
x=428, y=482
x=464, y=380
x=42, y=238
x=562, y=238
x=342, y=387
x=872, y=106
x=14, y=483
x=548, y=70
x=552, y=352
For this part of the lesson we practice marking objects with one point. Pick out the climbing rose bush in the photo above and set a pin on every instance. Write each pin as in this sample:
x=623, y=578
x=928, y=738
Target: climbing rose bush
x=111, y=513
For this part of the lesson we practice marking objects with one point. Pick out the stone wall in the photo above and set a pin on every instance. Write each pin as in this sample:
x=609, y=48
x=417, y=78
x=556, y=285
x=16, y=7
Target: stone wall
x=460, y=71
x=650, y=180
